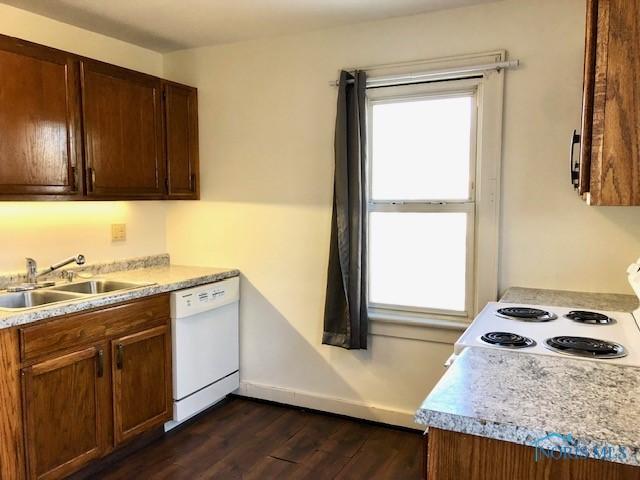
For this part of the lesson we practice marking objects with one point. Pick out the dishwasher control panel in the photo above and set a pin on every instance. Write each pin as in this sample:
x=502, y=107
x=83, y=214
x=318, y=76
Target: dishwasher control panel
x=194, y=300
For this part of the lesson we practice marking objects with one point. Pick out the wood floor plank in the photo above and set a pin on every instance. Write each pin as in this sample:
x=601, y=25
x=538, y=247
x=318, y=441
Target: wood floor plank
x=309, y=439
x=270, y=467
x=320, y=466
x=245, y=455
x=347, y=439
x=384, y=455
x=246, y=439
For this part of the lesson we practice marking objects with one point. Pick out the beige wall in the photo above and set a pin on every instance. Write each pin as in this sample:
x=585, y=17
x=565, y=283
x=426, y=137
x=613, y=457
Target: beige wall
x=266, y=123
x=49, y=231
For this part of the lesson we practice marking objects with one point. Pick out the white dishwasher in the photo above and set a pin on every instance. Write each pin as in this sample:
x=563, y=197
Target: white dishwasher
x=204, y=323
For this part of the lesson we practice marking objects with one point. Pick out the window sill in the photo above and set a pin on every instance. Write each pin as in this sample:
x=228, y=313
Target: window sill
x=416, y=326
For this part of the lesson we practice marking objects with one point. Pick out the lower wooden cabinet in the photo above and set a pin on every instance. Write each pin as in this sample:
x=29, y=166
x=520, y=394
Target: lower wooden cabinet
x=64, y=404
x=110, y=382
x=141, y=382
x=457, y=456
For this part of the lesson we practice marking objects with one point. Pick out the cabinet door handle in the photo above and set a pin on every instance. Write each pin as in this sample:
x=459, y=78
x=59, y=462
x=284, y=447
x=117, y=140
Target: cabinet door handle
x=100, y=359
x=119, y=356
x=193, y=182
x=574, y=167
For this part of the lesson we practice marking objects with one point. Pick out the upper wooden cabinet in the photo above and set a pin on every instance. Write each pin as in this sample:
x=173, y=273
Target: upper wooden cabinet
x=122, y=117
x=39, y=120
x=181, y=121
x=76, y=128
x=608, y=172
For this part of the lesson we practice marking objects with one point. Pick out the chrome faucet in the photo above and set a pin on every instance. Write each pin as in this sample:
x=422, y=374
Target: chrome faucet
x=33, y=274
x=79, y=259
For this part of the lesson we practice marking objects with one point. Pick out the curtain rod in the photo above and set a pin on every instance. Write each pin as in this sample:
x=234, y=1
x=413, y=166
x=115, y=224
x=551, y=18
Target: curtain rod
x=448, y=73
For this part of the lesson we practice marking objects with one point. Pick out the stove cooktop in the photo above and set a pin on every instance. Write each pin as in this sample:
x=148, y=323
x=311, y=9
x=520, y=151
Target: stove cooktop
x=611, y=337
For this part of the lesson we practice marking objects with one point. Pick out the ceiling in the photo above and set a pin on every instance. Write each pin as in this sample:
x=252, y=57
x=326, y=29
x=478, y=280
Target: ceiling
x=166, y=25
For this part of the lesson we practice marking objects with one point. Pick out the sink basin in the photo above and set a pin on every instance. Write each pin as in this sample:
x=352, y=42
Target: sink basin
x=96, y=287
x=32, y=299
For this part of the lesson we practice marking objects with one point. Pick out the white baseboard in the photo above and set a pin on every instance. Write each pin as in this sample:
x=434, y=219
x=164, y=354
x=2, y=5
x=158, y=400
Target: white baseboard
x=325, y=403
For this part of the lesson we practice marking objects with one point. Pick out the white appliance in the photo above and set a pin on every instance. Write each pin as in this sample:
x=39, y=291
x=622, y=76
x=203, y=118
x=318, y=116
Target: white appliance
x=204, y=323
x=580, y=333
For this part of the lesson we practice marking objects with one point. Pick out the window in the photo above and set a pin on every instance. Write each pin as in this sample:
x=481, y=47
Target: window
x=422, y=198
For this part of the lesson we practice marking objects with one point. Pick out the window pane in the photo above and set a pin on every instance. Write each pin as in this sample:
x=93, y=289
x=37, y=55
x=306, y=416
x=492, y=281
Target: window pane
x=418, y=259
x=421, y=149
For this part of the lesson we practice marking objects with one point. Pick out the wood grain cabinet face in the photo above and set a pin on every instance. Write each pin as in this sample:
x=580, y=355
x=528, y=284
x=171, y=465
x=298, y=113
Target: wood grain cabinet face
x=91, y=381
x=610, y=153
x=39, y=120
x=141, y=382
x=457, y=456
x=64, y=408
x=122, y=118
x=76, y=128
x=181, y=127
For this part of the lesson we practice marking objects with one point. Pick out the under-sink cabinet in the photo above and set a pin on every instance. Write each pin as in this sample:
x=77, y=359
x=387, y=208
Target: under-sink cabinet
x=141, y=375
x=65, y=405
x=85, y=384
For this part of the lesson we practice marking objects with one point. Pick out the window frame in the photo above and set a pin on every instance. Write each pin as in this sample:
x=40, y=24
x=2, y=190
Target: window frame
x=483, y=222
x=409, y=93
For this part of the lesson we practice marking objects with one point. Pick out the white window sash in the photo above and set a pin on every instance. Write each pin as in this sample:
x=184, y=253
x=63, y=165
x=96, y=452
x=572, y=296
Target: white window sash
x=463, y=87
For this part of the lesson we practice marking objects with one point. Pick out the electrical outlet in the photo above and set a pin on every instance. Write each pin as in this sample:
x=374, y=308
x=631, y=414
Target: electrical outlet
x=118, y=232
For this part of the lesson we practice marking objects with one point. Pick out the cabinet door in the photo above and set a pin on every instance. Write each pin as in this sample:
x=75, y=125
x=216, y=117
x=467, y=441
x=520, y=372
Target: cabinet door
x=122, y=115
x=615, y=132
x=584, y=171
x=181, y=125
x=39, y=120
x=64, y=405
x=141, y=382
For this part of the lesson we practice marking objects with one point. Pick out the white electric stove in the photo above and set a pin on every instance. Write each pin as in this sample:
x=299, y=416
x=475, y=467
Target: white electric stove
x=595, y=335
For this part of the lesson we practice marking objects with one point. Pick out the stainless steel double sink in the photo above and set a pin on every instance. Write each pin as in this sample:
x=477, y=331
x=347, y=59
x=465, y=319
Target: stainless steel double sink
x=16, y=301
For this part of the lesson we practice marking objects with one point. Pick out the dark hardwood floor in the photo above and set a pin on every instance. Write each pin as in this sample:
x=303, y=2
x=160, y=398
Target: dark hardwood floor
x=247, y=439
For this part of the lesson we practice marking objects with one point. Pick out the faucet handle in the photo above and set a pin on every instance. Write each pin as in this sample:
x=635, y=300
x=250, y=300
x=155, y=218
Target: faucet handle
x=32, y=266
x=32, y=271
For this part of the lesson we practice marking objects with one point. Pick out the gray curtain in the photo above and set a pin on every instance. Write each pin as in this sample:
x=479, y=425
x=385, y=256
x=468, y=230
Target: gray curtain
x=345, y=316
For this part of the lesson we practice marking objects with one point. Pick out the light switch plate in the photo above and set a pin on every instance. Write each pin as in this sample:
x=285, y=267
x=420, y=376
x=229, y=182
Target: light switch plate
x=118, y=232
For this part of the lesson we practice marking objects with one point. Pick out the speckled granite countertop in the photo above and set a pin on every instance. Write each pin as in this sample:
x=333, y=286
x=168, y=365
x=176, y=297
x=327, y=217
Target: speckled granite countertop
x=520, y=397
x=165, y=278
x=612, y=302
